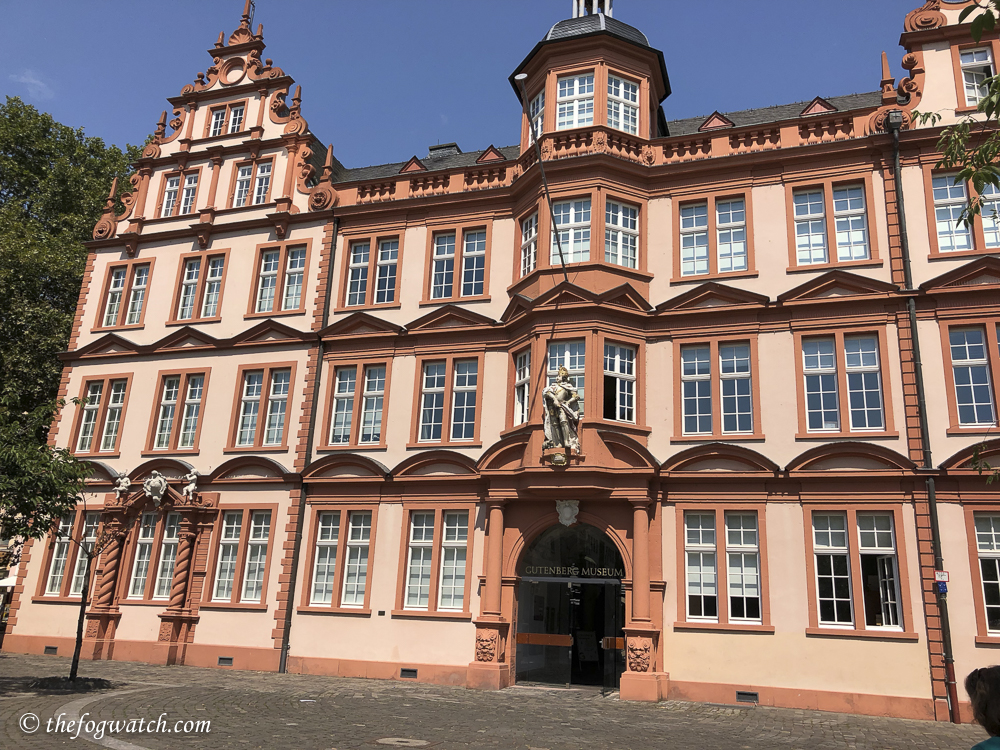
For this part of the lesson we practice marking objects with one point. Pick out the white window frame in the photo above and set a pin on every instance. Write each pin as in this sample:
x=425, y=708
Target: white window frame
x=116, y=288
x=473, y=263
x=255, y=564
x=189, y=288
x=575, y=101
x=419, y=562
x=522, y=387
x=386, y=269
x=877, y=538
x=262, y=182
x=819, y=369
x=951, y=199
x=172, y=186
x=623, y=104
x=295, y=271
x=113, y=415
x=571, y=219
x=736, y=386
x=344, y=386
x=987, y=529
x=694, y=239
x=536, y=117
x=145, y=534
x=168, y=556
x=701, y=565
x=359, y=526
x=218, y=122
x=620, y=374
x=194, y=392
x=267, y=280
x=137, y=294
x=743, y=564
x=978, y=377
x=324, y=580
x=696, y=377
x=213, y=287
x=91, y=521
x=850, y=221
x=864, y=380
x=464, y=400
x=372, y=404
x=731, y=235
x=277, y=406
x=571, y=354
x=88, y=420
x=244, y=177
x=977, y=66
x=60, y=556
x=433, y=380
x=250, y=396
x=529, y=243
x=228, y=556
x=621, y=234
x=236, y=114
x=169, y=395
x=358, y=260
x=443, y=266
x=454, y=556
x=809, y=209
x=189, y=194
x=826, y=536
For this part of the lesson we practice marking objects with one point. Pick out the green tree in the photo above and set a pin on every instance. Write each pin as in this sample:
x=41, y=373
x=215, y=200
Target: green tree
x=53, y=184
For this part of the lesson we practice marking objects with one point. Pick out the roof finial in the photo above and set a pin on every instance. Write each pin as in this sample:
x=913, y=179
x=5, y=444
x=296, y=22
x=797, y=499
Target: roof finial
x=328, y=164
x=247, y=8
x=592, y=7
x=886, y=73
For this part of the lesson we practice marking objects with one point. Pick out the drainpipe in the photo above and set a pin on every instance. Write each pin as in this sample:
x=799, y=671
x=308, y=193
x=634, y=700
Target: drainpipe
x=894, y=123
x=304, y=488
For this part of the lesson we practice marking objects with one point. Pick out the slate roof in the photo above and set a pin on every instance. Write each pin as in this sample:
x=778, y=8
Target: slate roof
x=592, y=24
x=688, y=126
x=777, y=113
x=382, y=171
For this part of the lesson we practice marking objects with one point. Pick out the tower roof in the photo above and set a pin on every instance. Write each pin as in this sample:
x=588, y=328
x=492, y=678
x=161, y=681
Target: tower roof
x=595, y=24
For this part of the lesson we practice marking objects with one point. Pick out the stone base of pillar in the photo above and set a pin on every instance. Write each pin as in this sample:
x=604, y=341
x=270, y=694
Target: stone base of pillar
x=171, y=643
x=488, y=676
x=644, y=686
x=99, y=634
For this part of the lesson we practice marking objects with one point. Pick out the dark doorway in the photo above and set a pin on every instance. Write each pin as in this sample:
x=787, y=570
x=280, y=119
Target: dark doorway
x=571, y=609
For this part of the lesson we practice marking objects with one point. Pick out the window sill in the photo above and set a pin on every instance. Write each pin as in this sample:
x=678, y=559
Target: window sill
x=715, y=438
x=638, y=274
x=701, y=278
x=841, y=435
x=348, y=309
x=454, y=300
x=56, y=600
x=872, y=263
x=728, y=627
x=154, y=454
x=116, y=454
x=281, y=314
x=879, y=635
x=193, y=321
x=938, y=255
x=353, y=448
x=233, y=606
x=112, y=329
x=441, y=444
x=972, y=430
x=321, y=610
x=988, y=640
x=143, y=603
x=256, y=449
x=426, y=615
x=626, y=427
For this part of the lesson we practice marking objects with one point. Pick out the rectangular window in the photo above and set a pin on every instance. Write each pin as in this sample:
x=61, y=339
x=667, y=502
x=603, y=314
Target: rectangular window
x=833, y=569
x=971, y=374
x=522, y=387
x=623, y=105
x=464, y=392
x=864, y=383
x=143, y=556
x=244, y=176
x=810, y=227
x=134, y=278
x=229, y=548
x=168, y=556
x=325, y=561
x=91, y=407
x=385, y=280
x=256, y=556
x=421, y=551
x=280, y=276
x=735, y=386
x=90, y=523
x=731, y=231
x=473, y=263
x=694, y=239
x=101, y=415
x=171, y=187
x=236, y=118
x=571, y=231
x=990, y=215
x=271, y=385
x=820, y=367
x=188, y=196
x=696, y=389
x=60, y=555
x=573, y=356
x=443, y=273
x=621, y=235
x=343, y=405
x=200, y=287
x=170, y=432
x=743, y=567
x=536, y=114
x=373, y=398
x=879, y=574
x=226, y=120
x=253, y=184
x=950, y=202
x=529, y=244
x=262, y=183
x=699, y=551
x=850, y=223
x=453, y=558
x=113, y=415
x=356, y=562
x=987, y=529
x=357, y=273
x=218, y=121
x=977, y=67
x=619, y=383
x=362, y=266
x=575, y=101
x=432, y=401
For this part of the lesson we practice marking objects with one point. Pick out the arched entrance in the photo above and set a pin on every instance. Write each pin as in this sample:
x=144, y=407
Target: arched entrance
x=571, y=609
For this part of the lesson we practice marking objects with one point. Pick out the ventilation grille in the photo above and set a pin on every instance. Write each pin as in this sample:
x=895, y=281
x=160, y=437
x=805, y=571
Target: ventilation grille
x=225, y=661
x=408, y=674
x=745, y=696
x=51, y=650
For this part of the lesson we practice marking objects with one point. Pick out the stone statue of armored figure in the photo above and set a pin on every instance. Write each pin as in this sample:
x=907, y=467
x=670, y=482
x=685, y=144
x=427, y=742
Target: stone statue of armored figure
x=562, y=413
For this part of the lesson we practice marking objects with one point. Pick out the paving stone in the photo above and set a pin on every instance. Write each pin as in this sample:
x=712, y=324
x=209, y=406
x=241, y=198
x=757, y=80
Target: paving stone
x=305, y=712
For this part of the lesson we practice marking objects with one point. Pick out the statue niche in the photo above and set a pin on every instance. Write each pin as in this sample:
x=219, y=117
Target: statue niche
x=562, y=418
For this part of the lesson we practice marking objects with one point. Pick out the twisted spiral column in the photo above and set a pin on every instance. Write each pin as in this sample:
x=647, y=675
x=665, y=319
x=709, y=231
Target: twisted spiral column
x=109, y=574
x=182, y=566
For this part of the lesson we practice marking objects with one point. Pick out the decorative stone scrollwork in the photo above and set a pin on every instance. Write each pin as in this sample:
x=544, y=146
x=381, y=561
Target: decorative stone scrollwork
x=93, y=628
x=296, y=123
x=639, y=651
x=928, y=16
x=166, y=632
x=107, y=225
x=648, y=155
x=600, y=142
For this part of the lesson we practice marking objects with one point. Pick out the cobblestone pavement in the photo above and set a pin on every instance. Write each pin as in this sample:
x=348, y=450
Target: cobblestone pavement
x=304, y=712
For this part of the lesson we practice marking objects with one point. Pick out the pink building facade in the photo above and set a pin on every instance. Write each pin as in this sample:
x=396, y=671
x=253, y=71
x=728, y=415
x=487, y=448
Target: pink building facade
x=344, y=377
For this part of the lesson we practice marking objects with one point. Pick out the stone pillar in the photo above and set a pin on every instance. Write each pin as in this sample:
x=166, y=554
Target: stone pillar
x=640, y=560
x=490, y=670
x=103, y=616
x=640, y=680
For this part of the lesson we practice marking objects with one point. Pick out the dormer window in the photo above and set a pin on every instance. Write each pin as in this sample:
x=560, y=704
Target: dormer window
x=977, y=67
x=575, y=103
x=623, y=105
x=536, y=111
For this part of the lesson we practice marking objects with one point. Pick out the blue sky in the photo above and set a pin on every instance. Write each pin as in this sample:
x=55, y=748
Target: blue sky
x=383, y=79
